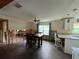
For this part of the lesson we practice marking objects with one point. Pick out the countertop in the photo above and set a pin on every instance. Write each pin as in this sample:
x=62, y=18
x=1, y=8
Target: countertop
x=76, y=50
x=76, y=37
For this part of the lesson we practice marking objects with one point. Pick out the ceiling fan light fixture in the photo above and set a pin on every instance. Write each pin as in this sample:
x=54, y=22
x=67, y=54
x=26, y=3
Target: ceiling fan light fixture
x=36, y=20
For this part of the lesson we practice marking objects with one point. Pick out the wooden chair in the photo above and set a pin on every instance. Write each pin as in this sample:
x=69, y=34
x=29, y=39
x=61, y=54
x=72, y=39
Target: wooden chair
x=30, y=39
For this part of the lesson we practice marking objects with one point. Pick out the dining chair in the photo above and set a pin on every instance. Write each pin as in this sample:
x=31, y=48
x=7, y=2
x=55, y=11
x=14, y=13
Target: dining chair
x=30, y=39
x=58, y=42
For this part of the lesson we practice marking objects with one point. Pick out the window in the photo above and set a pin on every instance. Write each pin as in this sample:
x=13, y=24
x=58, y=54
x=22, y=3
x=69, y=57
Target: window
x=44, y=29
x=76, y=27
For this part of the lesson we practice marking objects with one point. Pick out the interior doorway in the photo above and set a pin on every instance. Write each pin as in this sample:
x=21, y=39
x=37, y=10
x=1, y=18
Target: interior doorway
x=3, y=31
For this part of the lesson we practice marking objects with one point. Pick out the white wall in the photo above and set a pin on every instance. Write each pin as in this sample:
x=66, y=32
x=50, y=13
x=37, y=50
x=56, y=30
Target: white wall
x=33, y=25
x=62, y=26
x=44, y=23
x=57, y=25
x=15, y=24
x=18, y=23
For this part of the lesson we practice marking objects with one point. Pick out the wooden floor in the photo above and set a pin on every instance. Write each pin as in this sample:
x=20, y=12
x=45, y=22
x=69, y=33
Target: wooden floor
x=20, y=51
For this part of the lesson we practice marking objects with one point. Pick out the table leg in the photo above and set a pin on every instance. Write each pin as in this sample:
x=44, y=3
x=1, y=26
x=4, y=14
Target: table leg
x=41, y=40
x=38, y=42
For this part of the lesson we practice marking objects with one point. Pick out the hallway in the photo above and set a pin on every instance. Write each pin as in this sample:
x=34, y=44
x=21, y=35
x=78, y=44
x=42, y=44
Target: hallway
x=20, y=51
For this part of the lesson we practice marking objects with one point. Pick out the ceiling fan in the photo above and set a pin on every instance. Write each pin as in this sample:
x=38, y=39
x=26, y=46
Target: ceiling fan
x=36, y=20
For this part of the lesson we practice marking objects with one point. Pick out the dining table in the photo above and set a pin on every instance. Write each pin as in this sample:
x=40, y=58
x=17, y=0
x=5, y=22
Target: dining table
x=36, y=37
x=39, y=38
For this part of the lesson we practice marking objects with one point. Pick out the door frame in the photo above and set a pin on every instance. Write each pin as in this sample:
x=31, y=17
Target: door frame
x=6, y=38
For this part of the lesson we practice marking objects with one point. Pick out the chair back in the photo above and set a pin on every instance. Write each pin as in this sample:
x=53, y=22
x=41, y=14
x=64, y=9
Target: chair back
x=30, y=36
x=56, y=36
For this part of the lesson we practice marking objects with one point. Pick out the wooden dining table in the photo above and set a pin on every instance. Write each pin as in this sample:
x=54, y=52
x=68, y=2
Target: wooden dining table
x=37, y=37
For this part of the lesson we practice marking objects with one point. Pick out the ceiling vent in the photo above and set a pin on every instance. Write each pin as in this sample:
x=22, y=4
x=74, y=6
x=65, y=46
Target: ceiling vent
x=18, y=5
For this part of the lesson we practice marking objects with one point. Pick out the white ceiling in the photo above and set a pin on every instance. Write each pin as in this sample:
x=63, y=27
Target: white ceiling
x=45, y=10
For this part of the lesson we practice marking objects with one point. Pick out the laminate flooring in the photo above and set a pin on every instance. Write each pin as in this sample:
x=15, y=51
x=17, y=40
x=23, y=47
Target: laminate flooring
x=21, y=51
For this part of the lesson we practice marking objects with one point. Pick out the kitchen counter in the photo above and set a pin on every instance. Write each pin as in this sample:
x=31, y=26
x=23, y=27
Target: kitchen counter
x=75, y=53
x=70, y=40
x=76, y=50
x=76, y=37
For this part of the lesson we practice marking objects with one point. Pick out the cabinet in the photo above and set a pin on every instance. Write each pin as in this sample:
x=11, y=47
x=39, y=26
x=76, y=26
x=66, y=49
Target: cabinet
x=69, y=43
